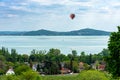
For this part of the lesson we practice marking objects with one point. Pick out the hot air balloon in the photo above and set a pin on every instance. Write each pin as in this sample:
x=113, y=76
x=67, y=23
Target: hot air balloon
x=72, y=16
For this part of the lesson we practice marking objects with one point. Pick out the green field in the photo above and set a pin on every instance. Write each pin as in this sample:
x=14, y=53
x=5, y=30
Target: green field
x=61, y=77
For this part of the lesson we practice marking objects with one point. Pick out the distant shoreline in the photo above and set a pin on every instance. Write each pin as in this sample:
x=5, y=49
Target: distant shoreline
x=42, y=32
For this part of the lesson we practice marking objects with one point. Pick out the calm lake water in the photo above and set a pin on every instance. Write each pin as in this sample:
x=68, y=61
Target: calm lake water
x=25, y=44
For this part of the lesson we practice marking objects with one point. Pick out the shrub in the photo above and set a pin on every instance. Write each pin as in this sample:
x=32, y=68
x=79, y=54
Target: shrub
x=19, y=70
x=30, y=75
x=2, y=71
x=9, y=77
x=92, y=75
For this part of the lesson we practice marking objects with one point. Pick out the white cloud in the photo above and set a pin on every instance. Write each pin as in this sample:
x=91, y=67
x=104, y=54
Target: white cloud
x=24, y=3
x=68, y=5
x=22, y=8
x=12, y=15
x=61, y=2
x=45, y=2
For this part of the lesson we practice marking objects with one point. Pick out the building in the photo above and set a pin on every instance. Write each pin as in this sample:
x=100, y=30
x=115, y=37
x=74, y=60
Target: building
x=101, y=67
x=65, y=71
x=10, y=72
x=81, y=66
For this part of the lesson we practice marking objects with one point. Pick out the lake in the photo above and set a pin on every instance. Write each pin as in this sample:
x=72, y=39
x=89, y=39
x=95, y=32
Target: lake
x=25, y=44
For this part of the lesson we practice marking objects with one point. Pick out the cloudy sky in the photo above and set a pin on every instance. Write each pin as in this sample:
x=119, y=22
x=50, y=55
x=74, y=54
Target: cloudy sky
x=26, y=15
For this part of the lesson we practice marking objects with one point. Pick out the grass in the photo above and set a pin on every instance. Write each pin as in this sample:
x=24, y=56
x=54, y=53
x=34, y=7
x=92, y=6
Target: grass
x=60, y=77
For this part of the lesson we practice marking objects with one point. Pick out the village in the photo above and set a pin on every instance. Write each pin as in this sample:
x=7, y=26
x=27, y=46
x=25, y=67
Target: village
x=43, y=62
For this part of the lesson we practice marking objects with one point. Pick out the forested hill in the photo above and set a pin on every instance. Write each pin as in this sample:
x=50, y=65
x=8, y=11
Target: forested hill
x=82, y=32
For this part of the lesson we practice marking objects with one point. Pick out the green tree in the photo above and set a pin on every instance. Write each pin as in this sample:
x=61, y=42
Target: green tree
x=113, y=60
x=4, y=51
x=74, y=53
x=23, y=68
x=104, y=53
x=14, y=55
x=82, y=57
x=33, y=56
x=75, y=56
x=41, y=55
x=52, y=62
x=25, y=57
x=2, y=64
x=90, y=59
x=70, y=56
x=51, y=67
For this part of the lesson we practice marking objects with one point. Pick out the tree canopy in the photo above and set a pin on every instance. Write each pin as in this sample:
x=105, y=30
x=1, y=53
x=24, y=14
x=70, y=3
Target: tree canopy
x=113, y=60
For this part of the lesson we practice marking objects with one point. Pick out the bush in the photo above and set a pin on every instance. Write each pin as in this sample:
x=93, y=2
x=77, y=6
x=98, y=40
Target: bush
x=19, y=70
x=30, y=75
x=92, y=75
x=9, y=77
x=2, y=71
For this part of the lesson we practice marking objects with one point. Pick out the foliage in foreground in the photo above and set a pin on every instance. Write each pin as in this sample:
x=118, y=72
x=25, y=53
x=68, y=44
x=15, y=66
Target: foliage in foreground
x=113, y=60
x=85, y=75
x=92, y=75
x=28, y=75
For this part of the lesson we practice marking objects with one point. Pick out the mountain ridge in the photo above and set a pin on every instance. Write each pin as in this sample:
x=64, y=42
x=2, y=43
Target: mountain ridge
x=81, y=32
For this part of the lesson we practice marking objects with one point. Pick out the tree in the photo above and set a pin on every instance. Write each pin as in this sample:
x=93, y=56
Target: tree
x=4, y=51
x=74, y=53
x=33, y=56
x=104, y=53
x=90, y=59
x=51, y=67
x=113, y=60
x=37, y=56
x=70, y=56
x=25, y=57
x=82, y=57
x=14, y=55
x=23, y=68
x=2, y=64
x=52, y=62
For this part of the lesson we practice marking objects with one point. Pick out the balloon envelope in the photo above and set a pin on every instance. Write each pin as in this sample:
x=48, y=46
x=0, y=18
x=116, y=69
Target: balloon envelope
x=72, y=16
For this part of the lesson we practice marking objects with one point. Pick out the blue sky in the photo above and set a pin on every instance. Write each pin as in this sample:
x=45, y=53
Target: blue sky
x=27, y=15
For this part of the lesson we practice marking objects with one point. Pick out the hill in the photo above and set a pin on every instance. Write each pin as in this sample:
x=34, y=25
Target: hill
x=81, y=32
x=3, y=33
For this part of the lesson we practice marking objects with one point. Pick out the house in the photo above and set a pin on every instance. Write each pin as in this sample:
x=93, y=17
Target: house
x=94, y=66
x=34, y=67
x=101, y=67
x=10, y=72
x=81, y=66
x=65, y=71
